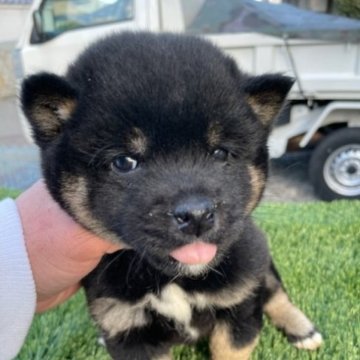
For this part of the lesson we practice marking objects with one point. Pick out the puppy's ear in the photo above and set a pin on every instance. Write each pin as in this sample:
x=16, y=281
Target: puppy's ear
x=48, y=102
x=266, y=94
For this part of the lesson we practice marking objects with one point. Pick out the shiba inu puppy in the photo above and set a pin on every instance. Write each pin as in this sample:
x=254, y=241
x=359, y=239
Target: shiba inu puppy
x=159, y=142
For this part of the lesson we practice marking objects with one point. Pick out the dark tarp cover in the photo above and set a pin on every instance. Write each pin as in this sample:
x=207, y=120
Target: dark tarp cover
x=281, y=20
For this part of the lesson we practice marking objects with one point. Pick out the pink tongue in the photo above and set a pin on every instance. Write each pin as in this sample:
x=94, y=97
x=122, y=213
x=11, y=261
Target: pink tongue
x=195, y=253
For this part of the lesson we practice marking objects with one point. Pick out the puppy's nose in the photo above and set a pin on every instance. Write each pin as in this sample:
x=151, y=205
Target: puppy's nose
x=195, y=215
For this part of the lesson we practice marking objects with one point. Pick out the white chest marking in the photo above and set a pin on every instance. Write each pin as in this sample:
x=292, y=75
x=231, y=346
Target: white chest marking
x=116, y=316
x=174, y=303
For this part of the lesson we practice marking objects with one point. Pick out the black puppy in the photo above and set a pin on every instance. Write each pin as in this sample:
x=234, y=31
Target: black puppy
x=159, y=142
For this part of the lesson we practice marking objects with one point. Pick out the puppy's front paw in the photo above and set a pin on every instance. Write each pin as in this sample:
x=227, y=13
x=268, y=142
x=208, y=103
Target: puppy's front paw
x=298, y=329
x=312, y=341
x=101, y=341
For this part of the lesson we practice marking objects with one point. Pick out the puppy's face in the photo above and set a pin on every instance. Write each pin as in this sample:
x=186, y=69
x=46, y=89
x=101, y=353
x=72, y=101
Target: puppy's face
x=156, y=141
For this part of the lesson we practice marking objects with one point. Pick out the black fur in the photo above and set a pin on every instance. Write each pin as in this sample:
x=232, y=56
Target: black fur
x=171, y=90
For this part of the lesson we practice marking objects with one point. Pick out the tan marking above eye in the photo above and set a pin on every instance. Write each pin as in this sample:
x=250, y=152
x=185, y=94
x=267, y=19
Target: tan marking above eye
x=214, y=134
x=137, y=142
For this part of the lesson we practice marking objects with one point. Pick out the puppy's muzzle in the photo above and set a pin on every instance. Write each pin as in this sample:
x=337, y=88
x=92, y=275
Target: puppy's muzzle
x=195, y=215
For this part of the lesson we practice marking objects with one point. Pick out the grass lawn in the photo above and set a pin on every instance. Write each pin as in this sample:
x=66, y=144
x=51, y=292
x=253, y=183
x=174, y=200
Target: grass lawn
x=316, y=248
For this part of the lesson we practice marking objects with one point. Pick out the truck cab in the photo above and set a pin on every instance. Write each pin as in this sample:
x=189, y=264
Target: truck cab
x=322, y=54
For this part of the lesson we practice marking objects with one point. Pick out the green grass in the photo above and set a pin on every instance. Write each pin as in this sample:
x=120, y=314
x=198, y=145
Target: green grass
x=315, y=247
x=8, y=193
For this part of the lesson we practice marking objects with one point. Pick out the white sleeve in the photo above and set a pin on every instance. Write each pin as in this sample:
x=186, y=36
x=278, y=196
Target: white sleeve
x=17, y=287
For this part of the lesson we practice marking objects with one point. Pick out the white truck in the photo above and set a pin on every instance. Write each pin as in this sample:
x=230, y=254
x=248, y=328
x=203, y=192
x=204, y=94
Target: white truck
x=321, y=52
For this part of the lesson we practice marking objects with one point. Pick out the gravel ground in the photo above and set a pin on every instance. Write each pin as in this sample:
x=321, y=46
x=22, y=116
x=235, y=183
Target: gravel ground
x=288, y=180
x=20, y=166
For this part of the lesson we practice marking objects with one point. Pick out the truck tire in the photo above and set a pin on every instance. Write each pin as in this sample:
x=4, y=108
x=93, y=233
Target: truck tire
x=335, y=165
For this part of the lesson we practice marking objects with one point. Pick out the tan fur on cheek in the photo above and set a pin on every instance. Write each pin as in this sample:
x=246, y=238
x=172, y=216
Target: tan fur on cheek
x=257, y=182
x=75, y=196
x=221, y=346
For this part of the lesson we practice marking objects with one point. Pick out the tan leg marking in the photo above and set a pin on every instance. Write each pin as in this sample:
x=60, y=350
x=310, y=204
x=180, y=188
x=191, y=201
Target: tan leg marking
x=221, y=346
x=285, y=315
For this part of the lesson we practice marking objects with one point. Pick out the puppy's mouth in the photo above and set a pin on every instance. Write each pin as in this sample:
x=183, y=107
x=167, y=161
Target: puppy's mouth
x=197, y=253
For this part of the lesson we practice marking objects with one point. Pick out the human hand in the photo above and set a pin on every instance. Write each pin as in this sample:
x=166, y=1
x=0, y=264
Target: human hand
x=61, y=252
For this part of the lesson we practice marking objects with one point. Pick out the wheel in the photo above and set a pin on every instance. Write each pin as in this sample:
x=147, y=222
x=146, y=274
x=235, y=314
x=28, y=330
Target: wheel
x=335, y=165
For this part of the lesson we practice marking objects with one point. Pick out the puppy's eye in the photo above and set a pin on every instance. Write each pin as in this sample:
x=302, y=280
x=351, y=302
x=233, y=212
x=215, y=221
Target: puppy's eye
x=220, y=154
x=124, y=163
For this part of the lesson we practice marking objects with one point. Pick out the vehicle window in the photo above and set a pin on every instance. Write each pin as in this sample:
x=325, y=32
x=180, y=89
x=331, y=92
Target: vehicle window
x=280, y=18
x=62, y=15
